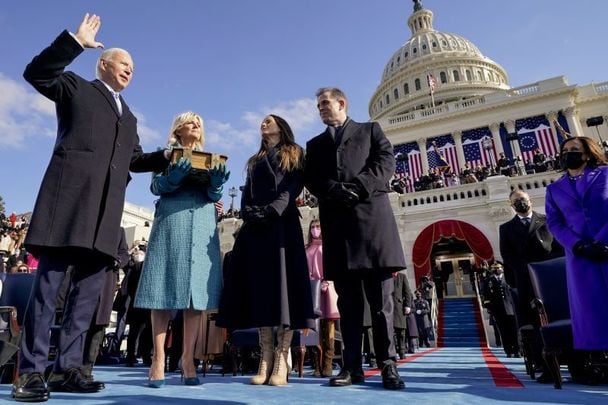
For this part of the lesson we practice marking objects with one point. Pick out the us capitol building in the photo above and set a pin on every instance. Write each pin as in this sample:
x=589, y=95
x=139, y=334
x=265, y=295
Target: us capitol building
x=440, y=97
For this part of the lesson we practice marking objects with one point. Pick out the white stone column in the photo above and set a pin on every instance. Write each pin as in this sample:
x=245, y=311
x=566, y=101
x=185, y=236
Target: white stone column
x=552, y=118
x=510, y=125
x=571, y=114
x=495, y=130
x=423, y=155
x=457, y=135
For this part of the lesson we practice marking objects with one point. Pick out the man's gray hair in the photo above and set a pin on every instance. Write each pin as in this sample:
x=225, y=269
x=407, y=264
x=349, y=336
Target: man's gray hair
x=107, y=54
x=334, y=92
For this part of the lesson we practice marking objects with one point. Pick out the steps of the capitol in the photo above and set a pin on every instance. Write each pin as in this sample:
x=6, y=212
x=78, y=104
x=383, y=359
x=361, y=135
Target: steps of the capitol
x=458, y=320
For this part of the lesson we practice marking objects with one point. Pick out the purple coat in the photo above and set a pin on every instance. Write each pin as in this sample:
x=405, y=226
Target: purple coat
x=578, y=210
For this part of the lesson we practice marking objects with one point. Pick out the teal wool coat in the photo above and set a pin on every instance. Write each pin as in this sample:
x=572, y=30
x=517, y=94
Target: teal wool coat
x=182, y=268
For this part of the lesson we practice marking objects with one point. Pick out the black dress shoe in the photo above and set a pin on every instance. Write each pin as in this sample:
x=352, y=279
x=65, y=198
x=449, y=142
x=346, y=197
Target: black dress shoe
x=390, y=376
x=73, y=381
x=545, y=378
x=30, y=387
x=130, y=361
x=346, y=377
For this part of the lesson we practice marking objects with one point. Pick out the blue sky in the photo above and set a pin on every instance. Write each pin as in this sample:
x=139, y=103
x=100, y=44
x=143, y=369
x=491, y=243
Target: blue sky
x=234, y=61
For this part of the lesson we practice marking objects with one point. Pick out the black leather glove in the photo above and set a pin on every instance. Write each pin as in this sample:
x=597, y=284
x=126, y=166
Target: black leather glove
x=345, y=194
x=593, y=250
x=257, y=214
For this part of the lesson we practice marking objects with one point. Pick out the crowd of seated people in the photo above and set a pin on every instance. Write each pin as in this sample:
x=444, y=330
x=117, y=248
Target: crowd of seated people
x=14, y=257
x=504, y=166
x=307, y=200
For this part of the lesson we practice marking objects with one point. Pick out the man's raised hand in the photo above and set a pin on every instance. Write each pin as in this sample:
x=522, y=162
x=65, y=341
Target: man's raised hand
x=87, y=30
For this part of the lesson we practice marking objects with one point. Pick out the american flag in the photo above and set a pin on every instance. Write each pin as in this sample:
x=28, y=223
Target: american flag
x=535, y=132
x=447, y=148
x=219, y=207
x=474, y=152
x=430, y=79
x=409, y=162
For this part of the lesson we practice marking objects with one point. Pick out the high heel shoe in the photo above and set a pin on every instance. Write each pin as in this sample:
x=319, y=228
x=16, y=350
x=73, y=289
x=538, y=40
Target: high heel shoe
x=190, y=380
x=156, y=383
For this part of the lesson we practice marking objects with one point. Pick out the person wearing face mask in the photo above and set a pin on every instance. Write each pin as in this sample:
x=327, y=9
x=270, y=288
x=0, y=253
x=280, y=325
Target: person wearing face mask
x=326, y=302
x=500, y=303
x=525, y=239
x=577, y=214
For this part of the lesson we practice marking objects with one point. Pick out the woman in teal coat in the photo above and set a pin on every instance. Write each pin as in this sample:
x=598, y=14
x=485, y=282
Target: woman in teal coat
x=182, y=269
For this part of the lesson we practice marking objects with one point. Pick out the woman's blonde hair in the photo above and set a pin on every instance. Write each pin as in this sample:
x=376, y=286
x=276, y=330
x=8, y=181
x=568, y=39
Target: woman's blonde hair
x=179, y=121
x=291, y=155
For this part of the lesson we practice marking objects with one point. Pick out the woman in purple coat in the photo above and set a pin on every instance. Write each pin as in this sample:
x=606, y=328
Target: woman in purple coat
x=577, y=215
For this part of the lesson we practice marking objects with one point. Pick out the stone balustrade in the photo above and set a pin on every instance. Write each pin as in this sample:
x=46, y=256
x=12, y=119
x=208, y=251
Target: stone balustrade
x=483, y=192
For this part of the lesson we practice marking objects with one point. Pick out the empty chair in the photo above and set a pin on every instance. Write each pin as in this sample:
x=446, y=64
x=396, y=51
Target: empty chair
x=550, y=288
x=13, y=303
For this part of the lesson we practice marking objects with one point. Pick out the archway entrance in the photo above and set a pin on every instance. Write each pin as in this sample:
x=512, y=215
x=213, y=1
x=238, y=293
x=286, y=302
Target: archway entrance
x=451, y=248
x=453, y=264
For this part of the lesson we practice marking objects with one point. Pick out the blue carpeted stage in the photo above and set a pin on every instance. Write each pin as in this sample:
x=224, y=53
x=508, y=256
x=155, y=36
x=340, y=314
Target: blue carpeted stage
x=449, y=375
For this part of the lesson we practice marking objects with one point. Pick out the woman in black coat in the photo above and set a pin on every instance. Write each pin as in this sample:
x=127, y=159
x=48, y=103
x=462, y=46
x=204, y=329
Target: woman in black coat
x=267, y=284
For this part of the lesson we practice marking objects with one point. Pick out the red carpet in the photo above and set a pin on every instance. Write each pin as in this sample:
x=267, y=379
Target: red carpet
x=502, y=376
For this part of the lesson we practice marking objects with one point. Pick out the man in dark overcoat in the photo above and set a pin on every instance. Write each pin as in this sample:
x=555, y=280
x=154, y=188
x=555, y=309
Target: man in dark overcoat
x=404, y=320
x=77, y=215
x=524, y=239
x=348, y=169
x=498, y=300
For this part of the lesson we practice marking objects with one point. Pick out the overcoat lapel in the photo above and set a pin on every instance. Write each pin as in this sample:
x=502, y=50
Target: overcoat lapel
x=108, y=96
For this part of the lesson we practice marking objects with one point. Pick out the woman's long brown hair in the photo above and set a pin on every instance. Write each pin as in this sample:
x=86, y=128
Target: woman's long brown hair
x=291, y=155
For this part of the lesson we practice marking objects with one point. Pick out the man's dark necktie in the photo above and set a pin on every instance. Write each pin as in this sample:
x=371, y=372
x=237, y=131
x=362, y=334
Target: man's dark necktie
x=336, y=134
x=526, y=221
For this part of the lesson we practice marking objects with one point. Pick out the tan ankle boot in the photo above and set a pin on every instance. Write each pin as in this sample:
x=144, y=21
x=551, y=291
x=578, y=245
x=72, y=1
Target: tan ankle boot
x=266, y=357
x=329, y=335
x=280, y=370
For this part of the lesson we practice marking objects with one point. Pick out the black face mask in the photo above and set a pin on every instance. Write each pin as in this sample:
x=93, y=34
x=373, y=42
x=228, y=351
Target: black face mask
x=521, y=206
x=572, y=160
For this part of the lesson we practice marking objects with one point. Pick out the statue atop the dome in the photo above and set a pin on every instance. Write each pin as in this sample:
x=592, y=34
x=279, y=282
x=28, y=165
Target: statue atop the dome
x=417, y=5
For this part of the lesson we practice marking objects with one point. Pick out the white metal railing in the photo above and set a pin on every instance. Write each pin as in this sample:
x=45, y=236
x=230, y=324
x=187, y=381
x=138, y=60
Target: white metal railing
x=480, y=308
x=434, y=315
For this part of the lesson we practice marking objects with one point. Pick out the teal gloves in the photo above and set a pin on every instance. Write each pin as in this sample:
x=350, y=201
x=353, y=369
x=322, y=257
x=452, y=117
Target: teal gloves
x=218, y=176
x=178, y=170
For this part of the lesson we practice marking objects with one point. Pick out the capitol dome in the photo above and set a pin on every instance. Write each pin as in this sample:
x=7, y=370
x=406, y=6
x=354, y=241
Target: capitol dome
x=459, y=69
